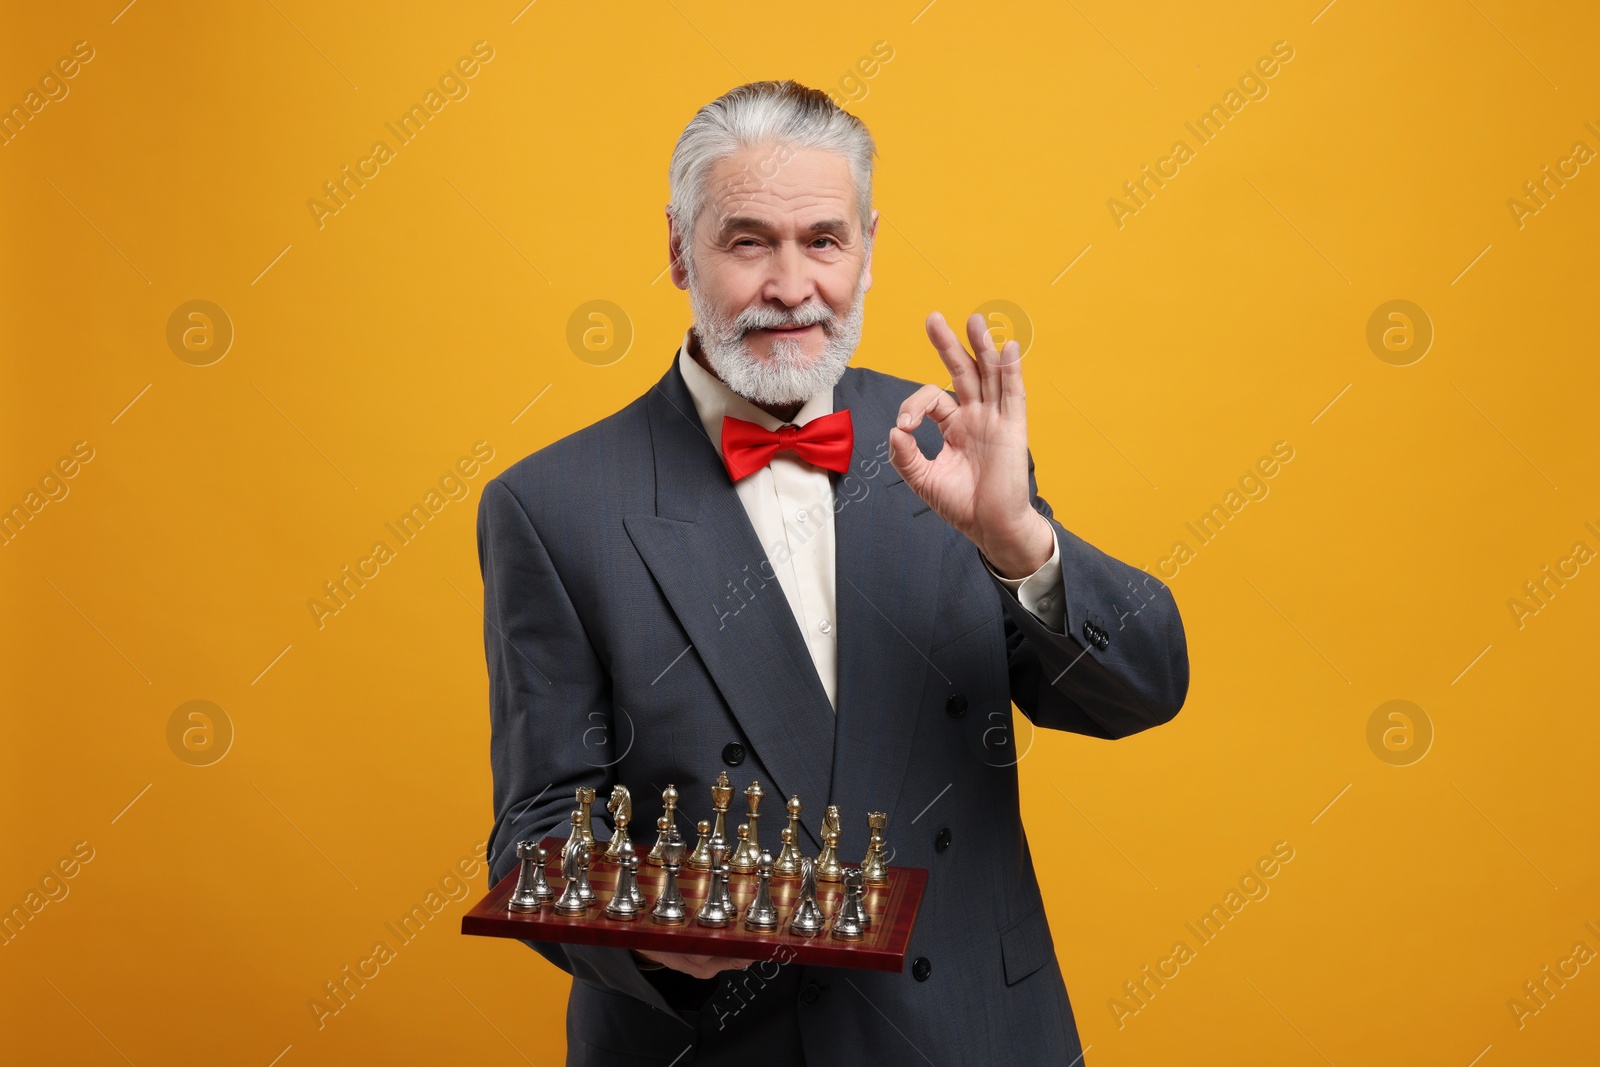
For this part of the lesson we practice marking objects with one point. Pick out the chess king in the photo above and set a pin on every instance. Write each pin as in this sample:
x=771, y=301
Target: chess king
x=827, y=580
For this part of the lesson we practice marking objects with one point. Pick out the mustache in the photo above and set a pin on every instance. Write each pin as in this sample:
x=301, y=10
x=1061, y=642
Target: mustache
x=768, y=318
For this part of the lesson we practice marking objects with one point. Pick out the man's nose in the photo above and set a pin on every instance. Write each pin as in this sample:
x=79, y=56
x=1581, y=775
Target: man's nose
x=791, y=280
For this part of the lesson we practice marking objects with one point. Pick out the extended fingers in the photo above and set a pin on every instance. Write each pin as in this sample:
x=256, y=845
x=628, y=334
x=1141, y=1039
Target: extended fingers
x=1000, y=371
x=963, y=373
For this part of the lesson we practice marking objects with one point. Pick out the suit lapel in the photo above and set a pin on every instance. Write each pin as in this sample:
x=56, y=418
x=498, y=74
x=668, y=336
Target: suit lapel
x=890, y=554
x=704, y=554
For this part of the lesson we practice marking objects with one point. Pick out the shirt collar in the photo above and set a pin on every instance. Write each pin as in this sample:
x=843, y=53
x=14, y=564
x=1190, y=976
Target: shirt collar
x=713, y=400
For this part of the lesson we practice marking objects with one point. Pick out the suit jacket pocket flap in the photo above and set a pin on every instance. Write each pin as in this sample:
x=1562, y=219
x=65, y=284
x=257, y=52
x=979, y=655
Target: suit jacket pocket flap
x=1026, y=946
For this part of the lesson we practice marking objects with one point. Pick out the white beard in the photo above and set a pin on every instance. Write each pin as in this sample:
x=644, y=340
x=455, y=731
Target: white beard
x=785, y=377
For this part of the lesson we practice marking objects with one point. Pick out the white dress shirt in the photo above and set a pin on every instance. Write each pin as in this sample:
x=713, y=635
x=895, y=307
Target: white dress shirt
x=790, y=504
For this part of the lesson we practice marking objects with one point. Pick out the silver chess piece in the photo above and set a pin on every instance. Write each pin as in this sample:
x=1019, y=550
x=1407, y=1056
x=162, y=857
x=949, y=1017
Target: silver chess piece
x=850, y=923
x=533, y=889
x=667, y=821
x=873, y=868
x=829, y=868
x=748, y=854
x=626, y=902
x=717, y=909
x=807, y=919
x=762, y=914
x=787, y=865
x=620, y=807
x=670, y=909
x=575, y=872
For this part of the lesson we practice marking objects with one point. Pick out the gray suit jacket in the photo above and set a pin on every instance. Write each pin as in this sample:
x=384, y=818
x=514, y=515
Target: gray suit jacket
x=634, y=634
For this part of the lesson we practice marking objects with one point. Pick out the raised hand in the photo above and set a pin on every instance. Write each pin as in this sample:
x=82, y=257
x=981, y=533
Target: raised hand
x=978, y=482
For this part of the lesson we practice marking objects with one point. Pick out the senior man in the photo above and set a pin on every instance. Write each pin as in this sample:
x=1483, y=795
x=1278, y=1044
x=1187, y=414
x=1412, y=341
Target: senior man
x=817, y=577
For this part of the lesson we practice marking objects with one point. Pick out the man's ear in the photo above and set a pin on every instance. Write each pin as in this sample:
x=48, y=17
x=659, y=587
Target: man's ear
x=866, y=266
x=680, y=275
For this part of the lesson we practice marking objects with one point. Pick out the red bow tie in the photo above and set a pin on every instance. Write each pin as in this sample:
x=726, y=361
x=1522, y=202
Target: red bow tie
x=825, y=441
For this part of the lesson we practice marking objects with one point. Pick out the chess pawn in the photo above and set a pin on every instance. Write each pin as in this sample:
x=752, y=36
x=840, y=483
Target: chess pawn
x=620, y=808
x=762, y=914
x=721, y=794
x=532, y=887
x=787, y=865
x=873, y=869
x=829, y=869
x=575, y=871
x=717, y=908
x=585, y=804
x=670, y=909
x=747, y=856
x=736, y=860
x=807, y=919
x=850, y=923
x=625, y=901
x=668, y=819
x=700, y=858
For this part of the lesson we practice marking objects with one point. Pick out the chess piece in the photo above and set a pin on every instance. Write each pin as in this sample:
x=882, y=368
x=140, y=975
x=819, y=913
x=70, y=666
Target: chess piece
x=747, y=856
x=762, y=914
x=807, y=918
x=667, y=821
x=787, y=865
x=585, y=805
x=717, y=909
x=721, y=794
x=532, y=887
x=670, y=909
x=575, y=870
x=873, y=869
x=734, y=860
x=620, y=807
x=700, y=858
x=828, y=867
x=626, y=901
x=849, y=924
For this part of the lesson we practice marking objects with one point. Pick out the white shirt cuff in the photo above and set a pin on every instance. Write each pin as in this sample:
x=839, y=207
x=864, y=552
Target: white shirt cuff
x=1040, y=592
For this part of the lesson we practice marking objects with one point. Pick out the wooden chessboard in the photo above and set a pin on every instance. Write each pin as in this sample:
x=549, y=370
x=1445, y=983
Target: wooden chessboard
x=893, y=909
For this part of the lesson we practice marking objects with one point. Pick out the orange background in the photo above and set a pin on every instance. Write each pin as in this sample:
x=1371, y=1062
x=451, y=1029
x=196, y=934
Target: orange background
x=1227, y=314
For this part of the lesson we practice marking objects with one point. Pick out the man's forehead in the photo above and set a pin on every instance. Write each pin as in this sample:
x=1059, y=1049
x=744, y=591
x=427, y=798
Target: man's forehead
x=780, y=185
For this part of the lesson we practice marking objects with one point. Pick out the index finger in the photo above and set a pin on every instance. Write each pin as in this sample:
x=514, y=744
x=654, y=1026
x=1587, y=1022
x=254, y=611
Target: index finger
x=963, y=371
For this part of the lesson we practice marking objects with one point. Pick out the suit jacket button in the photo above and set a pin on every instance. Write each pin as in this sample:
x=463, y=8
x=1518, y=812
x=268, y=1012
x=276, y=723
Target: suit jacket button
x=810, y=993
x=956, y=706
x=942, y=841
x=921, y=968
x=733, y=753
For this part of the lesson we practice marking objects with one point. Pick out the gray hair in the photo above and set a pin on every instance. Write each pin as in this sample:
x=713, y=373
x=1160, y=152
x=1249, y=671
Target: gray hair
x=757, y=114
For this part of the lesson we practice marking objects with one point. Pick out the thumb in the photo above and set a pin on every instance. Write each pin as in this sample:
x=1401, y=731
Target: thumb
x=907, y=458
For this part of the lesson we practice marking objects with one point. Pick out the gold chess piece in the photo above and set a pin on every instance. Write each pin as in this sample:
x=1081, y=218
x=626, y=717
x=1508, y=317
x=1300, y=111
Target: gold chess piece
x=669, y=801
x=874, y=871
x=700, y=858
x=620, y=806
x=747, y=857
x=787, y=865
x=721, y=794
x=741, y=847
x=585, y=804
x=829, y=869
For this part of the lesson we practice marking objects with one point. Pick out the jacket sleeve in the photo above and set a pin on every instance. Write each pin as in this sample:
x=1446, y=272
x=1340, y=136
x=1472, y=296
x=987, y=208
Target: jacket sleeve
x=1122, y=663
x=550, y=715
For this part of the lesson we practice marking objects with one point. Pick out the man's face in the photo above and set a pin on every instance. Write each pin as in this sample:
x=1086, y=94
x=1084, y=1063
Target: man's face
x=779, y=271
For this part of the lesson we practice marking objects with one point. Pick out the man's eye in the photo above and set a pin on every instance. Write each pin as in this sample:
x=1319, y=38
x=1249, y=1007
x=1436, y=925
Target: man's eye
x=744, y=241
x=826, y=240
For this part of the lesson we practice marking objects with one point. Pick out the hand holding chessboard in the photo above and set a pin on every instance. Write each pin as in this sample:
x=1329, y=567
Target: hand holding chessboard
x=716, y=901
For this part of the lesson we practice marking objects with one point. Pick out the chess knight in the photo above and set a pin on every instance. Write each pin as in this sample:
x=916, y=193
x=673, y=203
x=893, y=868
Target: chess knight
x=779, y=567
